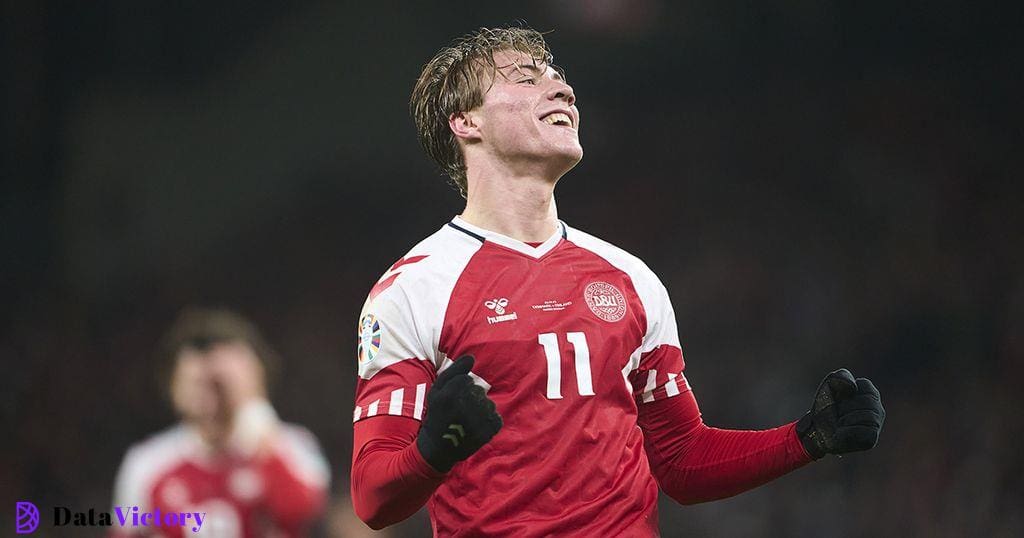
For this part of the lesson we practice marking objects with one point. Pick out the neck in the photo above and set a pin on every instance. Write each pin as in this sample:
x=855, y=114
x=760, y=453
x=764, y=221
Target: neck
x=520, y=207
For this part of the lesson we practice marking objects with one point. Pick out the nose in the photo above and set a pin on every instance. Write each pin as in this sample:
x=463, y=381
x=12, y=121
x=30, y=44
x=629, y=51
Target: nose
x=563, y=91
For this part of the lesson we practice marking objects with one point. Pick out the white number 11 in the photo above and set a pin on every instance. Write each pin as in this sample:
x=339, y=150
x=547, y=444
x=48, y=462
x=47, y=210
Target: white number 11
x=554, y=360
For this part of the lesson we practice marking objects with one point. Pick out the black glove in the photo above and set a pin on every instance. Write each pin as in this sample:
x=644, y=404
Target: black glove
x=460, y=418
x=846, y=416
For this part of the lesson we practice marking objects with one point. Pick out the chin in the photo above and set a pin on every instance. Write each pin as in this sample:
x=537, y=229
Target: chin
x=577, y=155
x=573, y=154
x=567, y=160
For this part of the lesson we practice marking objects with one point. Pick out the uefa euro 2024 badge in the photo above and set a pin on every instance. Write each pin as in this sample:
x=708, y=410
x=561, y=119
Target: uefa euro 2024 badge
x=369, y=338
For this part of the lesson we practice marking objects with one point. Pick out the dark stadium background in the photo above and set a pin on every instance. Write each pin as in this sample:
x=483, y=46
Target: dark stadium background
x=819, y=184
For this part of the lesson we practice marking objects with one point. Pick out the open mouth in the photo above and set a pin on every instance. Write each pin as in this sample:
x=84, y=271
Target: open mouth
x=558, y=118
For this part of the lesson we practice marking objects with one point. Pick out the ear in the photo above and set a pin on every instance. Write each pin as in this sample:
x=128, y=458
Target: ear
x=464, y=125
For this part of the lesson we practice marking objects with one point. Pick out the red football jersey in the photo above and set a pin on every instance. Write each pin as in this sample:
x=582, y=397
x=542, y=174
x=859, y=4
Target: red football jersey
x=277, y=494
x=570, y=338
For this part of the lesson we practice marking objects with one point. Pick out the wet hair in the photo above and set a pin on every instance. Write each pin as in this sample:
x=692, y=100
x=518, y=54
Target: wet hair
x=455, y=80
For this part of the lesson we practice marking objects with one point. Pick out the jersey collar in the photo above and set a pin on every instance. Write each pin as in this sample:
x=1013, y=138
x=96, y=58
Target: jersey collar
x=510, y=243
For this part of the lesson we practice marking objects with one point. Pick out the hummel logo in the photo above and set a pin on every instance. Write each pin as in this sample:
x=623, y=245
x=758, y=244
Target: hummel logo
x=451, y=436
x=498, y=305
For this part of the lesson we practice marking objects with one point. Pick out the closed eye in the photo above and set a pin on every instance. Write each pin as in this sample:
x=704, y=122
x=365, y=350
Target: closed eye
x=529, y=81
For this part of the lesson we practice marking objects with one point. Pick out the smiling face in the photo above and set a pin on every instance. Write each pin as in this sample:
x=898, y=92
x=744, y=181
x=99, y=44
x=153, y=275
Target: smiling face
x=528, y=119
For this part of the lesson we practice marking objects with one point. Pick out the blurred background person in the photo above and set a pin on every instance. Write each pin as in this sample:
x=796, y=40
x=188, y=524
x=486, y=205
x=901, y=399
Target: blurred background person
x=230, y=456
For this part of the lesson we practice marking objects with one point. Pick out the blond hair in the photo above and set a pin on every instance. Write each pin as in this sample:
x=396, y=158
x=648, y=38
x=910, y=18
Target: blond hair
x=453, y=81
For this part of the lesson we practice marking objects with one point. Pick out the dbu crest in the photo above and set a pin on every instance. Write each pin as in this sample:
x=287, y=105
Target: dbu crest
x=605, y=301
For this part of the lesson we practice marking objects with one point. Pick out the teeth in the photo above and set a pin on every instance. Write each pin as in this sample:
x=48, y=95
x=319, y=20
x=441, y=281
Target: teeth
x=558, y=118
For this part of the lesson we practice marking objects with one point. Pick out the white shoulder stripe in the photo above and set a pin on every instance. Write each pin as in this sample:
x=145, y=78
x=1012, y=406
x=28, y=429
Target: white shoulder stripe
x=671, y=388
x=395, y=407
x=652, y=382
x=421, y=390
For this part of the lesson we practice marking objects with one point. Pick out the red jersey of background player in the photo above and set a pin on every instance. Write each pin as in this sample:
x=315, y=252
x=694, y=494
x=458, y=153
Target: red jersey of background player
x=271, y=494
x=576, y=343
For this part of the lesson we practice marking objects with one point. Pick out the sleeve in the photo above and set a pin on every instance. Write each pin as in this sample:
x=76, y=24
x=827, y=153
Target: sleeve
x=398, y=361
x=390, y=479
x=296, y=477
x=144, y=464
x=129, y=489
x=695, y=463
x=656, y=368
x=127, y=486
x=691, y=461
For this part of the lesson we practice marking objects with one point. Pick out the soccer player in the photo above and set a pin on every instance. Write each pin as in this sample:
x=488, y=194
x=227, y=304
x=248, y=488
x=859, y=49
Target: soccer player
x=523, y=378
x=230, y=457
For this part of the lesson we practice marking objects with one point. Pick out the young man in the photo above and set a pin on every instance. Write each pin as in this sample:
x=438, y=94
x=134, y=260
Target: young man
x=230, y=459
x=567, y=407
